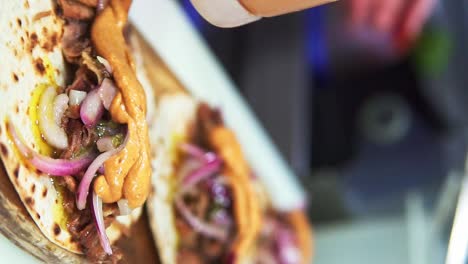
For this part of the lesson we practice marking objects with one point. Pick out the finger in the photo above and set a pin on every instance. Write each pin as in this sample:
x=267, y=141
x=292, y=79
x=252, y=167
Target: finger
x=359, y=11
x=386, y=15
x=224, y=13
x=417, y=14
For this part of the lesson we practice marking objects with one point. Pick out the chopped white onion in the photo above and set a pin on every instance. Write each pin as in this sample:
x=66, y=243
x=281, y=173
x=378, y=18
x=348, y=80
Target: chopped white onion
x=60, y=106
x=91, y=109
x=123, y=207
x=76, y=97
x=105, y=144
x=51, y=131
x=107, y=92
x=104, y=62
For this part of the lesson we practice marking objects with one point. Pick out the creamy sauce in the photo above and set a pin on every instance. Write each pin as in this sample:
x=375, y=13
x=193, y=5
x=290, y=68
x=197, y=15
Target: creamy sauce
x=268, y=8
x=246, y=208
x=303, y=230
x=127, y=174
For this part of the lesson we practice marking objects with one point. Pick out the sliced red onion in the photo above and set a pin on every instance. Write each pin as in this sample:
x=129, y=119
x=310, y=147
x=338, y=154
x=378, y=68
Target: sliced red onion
x=222, y=218
x=56, y=167
x=203, y=228
x=123, y=207
x=288, y=252
x=197, y=152
x=270, y=225
x=52, y=132
x=100, y=226
x=201, y=173
x=76, y=97
x=101, y=169
x=83, y=188
x=99, y=58
x=193, y=150
x=105, y=144
x=60, y=106
x=107, y=92
x=265, y=256
x=187, y=167
x=91, y=109
x=220, y=193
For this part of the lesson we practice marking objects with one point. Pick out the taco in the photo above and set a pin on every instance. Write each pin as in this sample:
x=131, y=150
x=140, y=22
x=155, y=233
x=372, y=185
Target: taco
x=196, y=188
x=205, y=206
x=202, y=209
x=73, y=130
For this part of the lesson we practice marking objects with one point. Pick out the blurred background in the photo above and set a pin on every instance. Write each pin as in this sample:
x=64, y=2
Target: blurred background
x=373, y=121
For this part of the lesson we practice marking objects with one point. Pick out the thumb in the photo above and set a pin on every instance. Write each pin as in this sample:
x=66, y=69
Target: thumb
x=413, y=22
x=224, y=13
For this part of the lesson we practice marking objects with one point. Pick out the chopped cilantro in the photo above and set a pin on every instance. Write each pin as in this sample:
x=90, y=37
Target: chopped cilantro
x=117, y=140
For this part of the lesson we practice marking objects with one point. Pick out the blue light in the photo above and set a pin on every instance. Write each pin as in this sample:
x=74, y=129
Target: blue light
x=316, y=46
x=193, y=15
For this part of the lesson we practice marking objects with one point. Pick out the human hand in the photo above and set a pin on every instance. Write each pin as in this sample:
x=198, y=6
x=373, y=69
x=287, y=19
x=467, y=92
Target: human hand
x=234, y=13
x=402, y=20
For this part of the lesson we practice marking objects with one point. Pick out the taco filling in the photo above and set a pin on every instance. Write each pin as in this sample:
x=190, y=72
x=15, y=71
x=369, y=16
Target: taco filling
x=278, y=242
x=94, y=127
x=203, y=202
